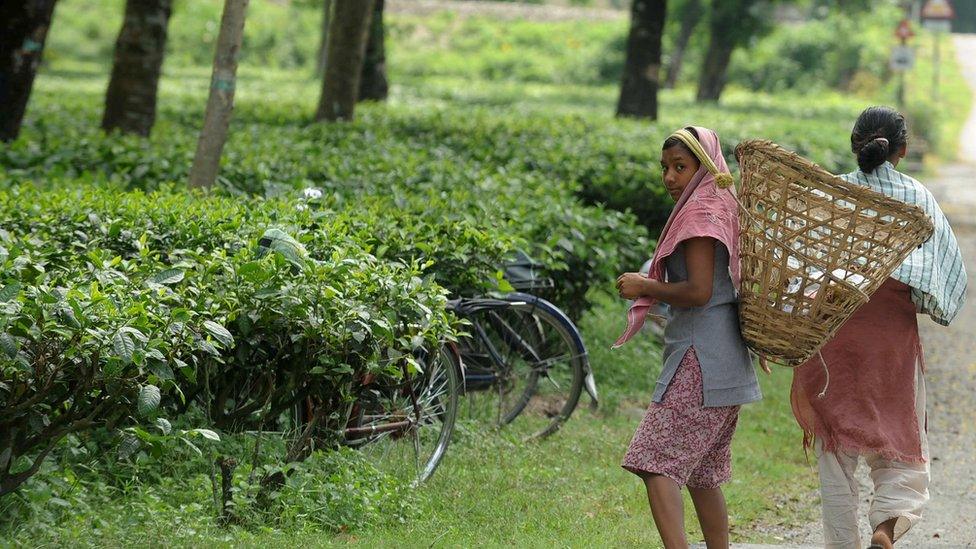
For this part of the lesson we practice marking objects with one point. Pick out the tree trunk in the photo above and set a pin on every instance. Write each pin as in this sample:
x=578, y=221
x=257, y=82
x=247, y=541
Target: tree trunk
x=347, y=47
x=24, y=24
x=324, y=38
x=731, y=25
x=220, y=104
x=373, y=85
x=691, y=14
x=130, y=102
x=638, y=91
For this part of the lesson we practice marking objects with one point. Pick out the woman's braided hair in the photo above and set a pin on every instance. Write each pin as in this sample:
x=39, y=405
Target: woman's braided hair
x=878, y=132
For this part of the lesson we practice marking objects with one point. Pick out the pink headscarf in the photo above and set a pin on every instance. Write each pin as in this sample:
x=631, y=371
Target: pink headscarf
x=702, y=210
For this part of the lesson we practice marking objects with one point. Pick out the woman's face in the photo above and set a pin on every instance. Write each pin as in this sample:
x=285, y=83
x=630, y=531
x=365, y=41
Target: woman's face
x=678, y=166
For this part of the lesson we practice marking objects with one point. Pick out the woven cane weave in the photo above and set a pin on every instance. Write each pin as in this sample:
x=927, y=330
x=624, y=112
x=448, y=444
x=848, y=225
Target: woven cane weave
x=814, y=248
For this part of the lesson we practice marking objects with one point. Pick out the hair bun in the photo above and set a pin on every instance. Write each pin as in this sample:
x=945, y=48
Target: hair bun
x=873, y=154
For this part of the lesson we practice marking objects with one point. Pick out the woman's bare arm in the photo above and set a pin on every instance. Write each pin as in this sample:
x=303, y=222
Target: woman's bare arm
x=694, y=292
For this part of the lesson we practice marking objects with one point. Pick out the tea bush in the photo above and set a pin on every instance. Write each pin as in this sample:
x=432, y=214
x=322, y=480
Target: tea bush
x=405, y=163
x=115, y=302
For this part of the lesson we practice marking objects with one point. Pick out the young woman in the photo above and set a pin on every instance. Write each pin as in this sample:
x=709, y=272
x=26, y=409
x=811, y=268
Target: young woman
x=875, y=405
x=684, y=439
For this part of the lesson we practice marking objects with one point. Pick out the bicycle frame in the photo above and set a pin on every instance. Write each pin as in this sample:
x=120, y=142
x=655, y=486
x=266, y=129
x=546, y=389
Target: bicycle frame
x=510, y=336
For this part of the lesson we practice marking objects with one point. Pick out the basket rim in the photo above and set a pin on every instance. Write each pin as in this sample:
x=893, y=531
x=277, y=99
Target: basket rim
x=912, y=212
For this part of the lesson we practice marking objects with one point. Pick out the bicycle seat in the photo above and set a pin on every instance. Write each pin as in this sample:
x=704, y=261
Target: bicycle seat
x=524, y=273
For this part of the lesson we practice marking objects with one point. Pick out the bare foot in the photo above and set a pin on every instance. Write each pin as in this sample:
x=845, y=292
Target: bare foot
x=881, y=539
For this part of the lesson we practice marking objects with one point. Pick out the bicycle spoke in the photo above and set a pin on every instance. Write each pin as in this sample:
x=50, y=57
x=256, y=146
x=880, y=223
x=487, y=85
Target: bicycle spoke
x=511, y=348
x=427, y=402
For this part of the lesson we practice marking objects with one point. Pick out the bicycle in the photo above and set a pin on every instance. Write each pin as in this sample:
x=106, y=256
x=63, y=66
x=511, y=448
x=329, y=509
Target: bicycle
x=404, y=425
x=523, y=356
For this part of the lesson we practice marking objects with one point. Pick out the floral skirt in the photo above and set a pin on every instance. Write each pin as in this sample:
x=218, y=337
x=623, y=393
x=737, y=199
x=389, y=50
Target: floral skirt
x=680, y=438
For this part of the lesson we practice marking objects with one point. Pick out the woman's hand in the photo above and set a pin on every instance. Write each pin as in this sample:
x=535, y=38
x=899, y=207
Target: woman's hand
x=632, y=285
x=764, y=365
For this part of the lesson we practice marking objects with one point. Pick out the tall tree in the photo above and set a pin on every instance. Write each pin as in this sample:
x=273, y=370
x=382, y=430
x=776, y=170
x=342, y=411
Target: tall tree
x=689, y=15
x=733, y=23
x=346, y=49
x=25, y=24
x=373, y=85
x=220, y=104
x=324, y=38
x=642, y=69
x=130, y=102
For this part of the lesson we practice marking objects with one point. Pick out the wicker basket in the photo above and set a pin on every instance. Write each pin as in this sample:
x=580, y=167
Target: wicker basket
x=814, y=248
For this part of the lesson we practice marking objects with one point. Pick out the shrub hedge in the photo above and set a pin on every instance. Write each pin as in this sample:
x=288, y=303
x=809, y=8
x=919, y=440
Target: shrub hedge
x=114, y=302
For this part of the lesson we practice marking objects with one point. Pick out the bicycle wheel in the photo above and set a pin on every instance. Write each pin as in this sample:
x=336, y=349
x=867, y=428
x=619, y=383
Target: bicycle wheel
x=525, y=359
x=413, y=451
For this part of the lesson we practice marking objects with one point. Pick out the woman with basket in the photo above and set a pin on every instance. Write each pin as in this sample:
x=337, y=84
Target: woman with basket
x=685, y=437
x=875, y=405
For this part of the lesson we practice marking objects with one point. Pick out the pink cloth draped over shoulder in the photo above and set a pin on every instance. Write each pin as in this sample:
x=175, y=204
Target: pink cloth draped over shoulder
x=702, y=210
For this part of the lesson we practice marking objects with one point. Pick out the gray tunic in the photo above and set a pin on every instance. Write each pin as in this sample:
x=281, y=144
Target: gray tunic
x=728, y=377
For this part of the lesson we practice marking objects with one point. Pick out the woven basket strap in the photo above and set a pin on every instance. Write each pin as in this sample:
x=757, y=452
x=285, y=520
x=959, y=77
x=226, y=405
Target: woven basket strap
x=722, y=180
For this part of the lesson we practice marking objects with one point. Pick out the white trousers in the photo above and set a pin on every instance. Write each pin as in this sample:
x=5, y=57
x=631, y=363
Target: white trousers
x=900, y=489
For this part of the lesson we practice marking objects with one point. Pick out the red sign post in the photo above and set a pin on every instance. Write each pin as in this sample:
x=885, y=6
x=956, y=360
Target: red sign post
x=902, y=56
x=904, y=31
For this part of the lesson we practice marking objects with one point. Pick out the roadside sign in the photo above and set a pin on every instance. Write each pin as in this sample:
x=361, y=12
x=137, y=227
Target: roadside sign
x=938, y=9
x=902, y=58
x=904, y=30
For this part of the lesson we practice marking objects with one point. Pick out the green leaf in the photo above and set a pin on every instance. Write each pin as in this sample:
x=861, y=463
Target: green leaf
x=129, y=445
x=253, y=272
x=124, y=346
x=68, y=315
x=59, y=502
x=169, y=276
x=162, y=370
x=413, y=366
x=164, y=425
x=134, y=333
x=288, y=247
x=219, y=332
x=207, y=433
x=8, y=344
x=191, y=445
x=9, y=292
x=149, y=398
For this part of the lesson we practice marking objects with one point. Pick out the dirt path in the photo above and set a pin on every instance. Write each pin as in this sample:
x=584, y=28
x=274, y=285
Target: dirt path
x=950, y=519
